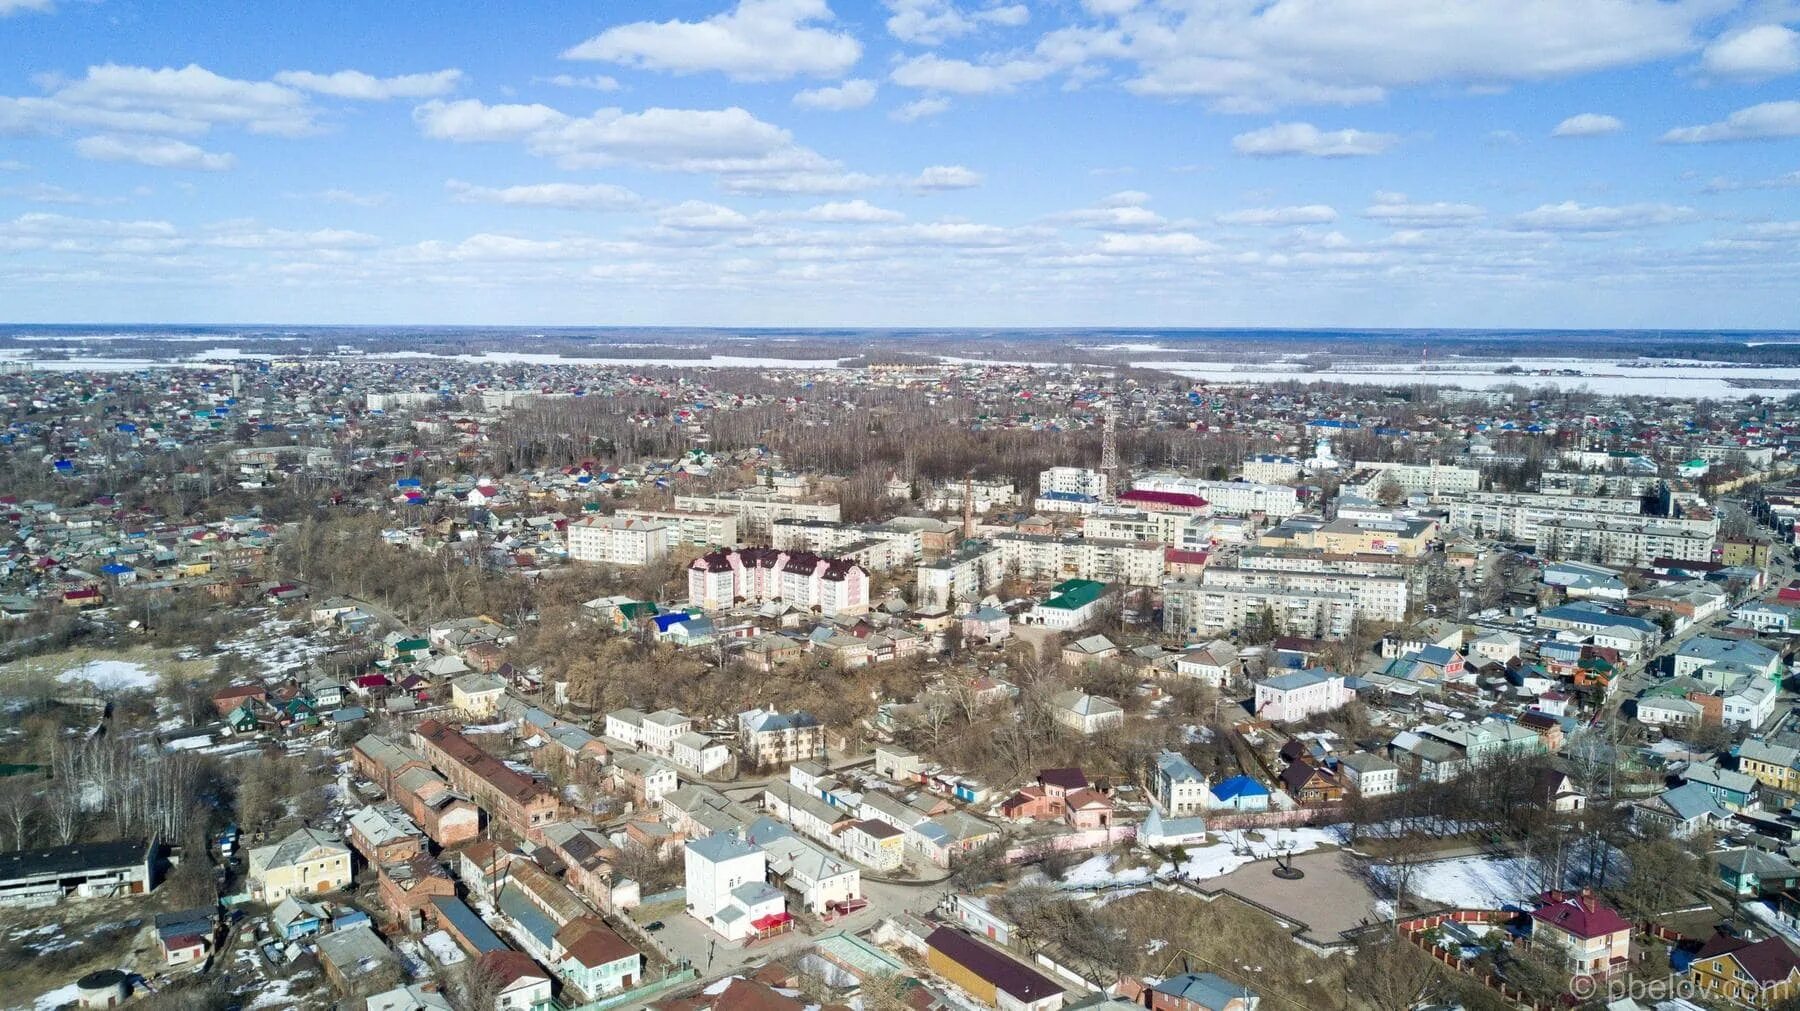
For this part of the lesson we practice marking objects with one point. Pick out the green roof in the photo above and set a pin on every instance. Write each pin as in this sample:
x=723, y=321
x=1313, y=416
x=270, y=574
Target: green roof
x=1074, y=594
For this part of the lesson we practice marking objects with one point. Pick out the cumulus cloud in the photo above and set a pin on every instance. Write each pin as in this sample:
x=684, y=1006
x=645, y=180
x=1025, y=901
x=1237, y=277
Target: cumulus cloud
x=1167, y=244
x=852, y=94
x=157, y=152
x=946, y=177
x=931, y=72
x=1247, y=56
x=758, y=40
x=1306, y=214
x=1570, y=216
x=188, y=102
x=929, y=22
x=1768, y=121
x=471, y=120
x=1588, y=124
x=10, y=7
x=1754, y=54
x=701, y=216
x=849, y=212
x=921, y=108
x=566, y=196
x=1281, y=139
x=365, y=87
x=1396, y=209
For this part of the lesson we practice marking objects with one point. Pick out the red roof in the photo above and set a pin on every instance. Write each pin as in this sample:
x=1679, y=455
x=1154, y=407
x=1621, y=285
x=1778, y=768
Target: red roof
x=1583, y=915
x=1166, y=498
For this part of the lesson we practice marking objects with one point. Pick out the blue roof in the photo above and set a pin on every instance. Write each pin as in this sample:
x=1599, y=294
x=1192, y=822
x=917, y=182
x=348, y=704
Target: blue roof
x=1239, y=786
x=1299, y=679
x=470, y=926
x=1067, y=496
x=516, y=904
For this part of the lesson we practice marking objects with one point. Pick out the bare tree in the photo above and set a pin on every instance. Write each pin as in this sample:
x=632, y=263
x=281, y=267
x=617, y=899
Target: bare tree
x=19, y=806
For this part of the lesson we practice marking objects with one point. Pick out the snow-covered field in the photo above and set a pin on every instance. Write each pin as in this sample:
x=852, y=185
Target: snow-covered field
x=1605, y=376
x=274, y=649
x=1234, y=850
x=111, y=675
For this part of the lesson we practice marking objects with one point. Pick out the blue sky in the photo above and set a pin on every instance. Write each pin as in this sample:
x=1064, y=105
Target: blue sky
x=935, y=162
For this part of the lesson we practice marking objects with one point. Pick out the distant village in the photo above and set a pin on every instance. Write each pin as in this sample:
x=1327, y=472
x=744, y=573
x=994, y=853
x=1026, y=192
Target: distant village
x=416, y=684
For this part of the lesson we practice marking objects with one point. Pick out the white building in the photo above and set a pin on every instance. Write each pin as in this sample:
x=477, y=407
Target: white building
x=1086, y=714
x=1299, y=695
x=756, y=508
x=612, y=540
x=1181, y=789
x=716, y=530
x=727, y=887
x=965, y=575
x=1369, y=775
x=1072, y=481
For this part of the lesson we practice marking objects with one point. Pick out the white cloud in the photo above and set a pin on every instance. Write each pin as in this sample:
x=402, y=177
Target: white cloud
x=1120, y=212
x=1588, y=124
x=188, y=102
x=567, y=196
x=1395, y=209
x=920, y=108
x=351, y=198
x=365, y=87
x=10, y=7
x=12, y=165
x=1767, y=121
x=250, y=235
x=852, y=94
x=591, y=82
x=157, y=152
x=1306, y=139
x=700, y=216
x=1570, y=216
x=931, y=72
x=1754, y=54
x=1775, y=229
x=471, y=120
x=1308, y=214
x=1726, y=184
x=929, y=22
x=1246, y=56
x=805, y=182
x=946, y=177
x=758, y=40
x=1169, y=244
x=850, y=212
x=47, y=193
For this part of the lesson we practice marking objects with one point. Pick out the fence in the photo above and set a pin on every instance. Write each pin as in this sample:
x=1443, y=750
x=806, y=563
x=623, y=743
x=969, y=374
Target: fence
x=1413, y=931
x=672, y=982
x=1087, y=839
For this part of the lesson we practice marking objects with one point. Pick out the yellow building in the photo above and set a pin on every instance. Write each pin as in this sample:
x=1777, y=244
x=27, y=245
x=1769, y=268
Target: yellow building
x=307, y=862
x=1757, y=974
x=988, y=975
x=1744, y=551
x=1772, y=765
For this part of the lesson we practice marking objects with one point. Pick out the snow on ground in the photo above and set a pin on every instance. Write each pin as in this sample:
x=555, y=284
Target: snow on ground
x=1235, y=849
x=113, y=675
x=443, y=948
x=1476, y=882
x=274, y=648
x=65, y=994
x=1761, y=911
x=491, y=728
x=275, y=993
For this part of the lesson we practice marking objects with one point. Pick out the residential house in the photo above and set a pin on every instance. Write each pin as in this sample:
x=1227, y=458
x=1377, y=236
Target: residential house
x=1590, y=937
x=307, y=861
x=1180, y=790
x=1086, y=714
x=1300, y=695
x=1201, y=991
x=1741, y=972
